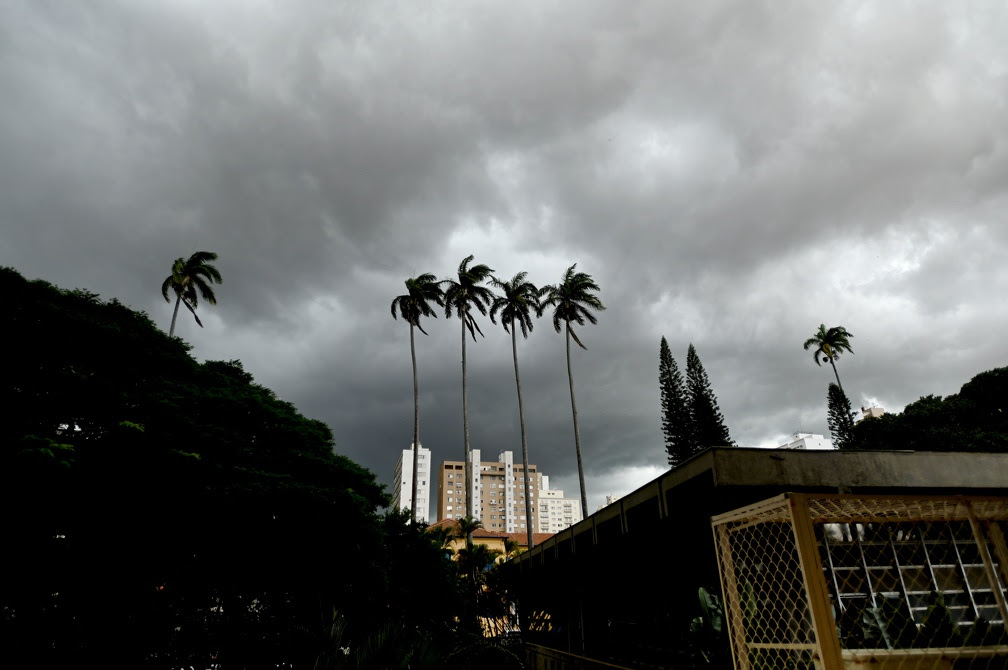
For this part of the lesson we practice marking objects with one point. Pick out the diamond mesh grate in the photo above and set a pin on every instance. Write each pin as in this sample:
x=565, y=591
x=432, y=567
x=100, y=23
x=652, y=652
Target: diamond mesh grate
x=851, y=581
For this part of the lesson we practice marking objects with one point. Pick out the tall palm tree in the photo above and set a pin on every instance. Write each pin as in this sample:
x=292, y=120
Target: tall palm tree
x=519, y=298
x=189, y=277
x=830, y=343
x=415, y=303
x=572, y=301
x=461, y=295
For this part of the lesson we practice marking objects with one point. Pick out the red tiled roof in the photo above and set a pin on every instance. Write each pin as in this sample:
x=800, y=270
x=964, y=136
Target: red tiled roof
x=522, y=538
x=452, y=525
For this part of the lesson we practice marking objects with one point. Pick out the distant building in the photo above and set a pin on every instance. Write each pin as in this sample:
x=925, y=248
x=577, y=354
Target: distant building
x=492, y=539
x=555, y=511
x=808, y=441
x=497, y=494
x=521, y=539
x=609, y=500
x=402, y=487
x=871, y=412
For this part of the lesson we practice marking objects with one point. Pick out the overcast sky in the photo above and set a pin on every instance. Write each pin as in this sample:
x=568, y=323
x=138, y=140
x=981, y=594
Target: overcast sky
x=731, y=174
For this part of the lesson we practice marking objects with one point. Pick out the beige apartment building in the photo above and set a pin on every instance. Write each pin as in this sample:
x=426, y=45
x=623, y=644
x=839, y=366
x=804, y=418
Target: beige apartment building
x=497, y=490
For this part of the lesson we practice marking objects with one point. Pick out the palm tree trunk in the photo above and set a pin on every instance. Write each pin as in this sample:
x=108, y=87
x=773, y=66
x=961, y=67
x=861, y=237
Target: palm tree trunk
x=416, y=431
x=577, y=435
x=465, y=428
x=178, y=301
x=521, y=422
x=835, y=373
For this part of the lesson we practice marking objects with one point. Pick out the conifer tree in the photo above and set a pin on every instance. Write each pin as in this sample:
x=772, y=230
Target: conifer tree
x=676, y=423
x=840, y=417
x=708, y=422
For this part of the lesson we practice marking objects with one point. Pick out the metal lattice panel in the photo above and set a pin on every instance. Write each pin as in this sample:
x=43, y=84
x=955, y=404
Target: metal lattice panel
x=838, y=581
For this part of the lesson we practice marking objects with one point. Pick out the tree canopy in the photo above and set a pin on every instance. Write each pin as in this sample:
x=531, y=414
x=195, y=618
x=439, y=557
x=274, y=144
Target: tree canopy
x=163, y=511
x=975, y=419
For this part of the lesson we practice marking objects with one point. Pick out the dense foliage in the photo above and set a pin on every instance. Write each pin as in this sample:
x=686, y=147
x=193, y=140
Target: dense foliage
x=839, y=417
x=164, y=512
x=975, y=419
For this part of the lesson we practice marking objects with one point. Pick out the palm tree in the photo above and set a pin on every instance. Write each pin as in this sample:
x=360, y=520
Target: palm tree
x=461, y=295
x=572, y=299
x=415, y=303
x=186, y=278
x=515, y=304
x=830, y=343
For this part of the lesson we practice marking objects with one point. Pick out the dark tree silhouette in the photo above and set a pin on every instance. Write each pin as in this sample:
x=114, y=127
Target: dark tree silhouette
x=708, y=423
x=676, y=423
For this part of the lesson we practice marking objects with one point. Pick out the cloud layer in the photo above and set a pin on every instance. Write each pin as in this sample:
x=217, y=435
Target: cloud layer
x=731, y=174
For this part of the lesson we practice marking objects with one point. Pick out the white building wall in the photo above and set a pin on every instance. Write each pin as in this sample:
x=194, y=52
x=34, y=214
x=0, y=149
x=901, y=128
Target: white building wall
x=808, y=441
x=475, y=470
x=510, y=519
x=555, y=511
x=402, y=487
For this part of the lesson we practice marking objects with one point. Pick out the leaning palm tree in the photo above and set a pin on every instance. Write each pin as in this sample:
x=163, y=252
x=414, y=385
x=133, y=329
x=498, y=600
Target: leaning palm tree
x=189, y=277
x=519, y=298
x=415, y=303
x=460, y=296
x=830, y=343
x=572, y=301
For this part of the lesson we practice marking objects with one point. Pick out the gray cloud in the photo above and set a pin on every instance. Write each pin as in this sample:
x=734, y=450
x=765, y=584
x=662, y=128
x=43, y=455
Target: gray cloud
x=732, y=174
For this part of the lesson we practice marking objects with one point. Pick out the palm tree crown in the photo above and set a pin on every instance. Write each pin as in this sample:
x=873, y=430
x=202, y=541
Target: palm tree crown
x=830, y=343
x=571, y=300
x=191, y=279
x=421, y=291
x=518, y=300
x=466, y=291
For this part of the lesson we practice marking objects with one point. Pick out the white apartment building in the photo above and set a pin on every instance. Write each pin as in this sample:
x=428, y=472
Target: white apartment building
x=402, y=487
x=808, y=441
x=555, y=511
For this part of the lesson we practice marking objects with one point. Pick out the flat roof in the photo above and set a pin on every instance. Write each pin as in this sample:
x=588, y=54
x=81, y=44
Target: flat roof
x=723, y=478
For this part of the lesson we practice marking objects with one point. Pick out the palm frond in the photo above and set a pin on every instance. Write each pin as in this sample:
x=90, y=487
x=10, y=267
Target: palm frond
x=575, y=337
x=192, y=308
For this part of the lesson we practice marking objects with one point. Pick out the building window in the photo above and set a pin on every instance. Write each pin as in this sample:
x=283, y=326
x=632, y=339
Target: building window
x=449, y=508
x=450, y=475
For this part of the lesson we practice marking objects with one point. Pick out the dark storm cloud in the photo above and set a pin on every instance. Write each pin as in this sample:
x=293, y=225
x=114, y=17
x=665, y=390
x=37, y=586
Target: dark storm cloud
x=732, y=174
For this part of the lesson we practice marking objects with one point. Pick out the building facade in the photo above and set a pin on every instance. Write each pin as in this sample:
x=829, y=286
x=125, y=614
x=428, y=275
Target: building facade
x=555, y=511
x=497, y=492
x=402, y=486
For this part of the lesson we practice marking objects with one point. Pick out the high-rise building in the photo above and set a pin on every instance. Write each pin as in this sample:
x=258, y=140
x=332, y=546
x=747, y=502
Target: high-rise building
x=497, y=492
x=555, y=511
x=402, y=487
